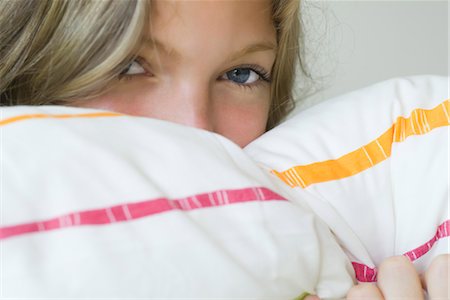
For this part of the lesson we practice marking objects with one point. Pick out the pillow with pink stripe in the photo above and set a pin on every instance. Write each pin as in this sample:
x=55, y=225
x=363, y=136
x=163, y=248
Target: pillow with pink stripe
x=373, y=164
x=96, y=204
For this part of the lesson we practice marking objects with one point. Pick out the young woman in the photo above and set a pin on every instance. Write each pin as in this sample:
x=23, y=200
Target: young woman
x=224, y=66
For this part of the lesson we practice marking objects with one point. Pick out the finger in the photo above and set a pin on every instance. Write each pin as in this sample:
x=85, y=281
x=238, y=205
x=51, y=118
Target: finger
x=398, y=279
x=423, y=282
x=437, y=277
x=365, y=291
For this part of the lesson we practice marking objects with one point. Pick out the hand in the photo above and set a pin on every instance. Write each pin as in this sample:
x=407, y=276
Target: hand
x=398, y=279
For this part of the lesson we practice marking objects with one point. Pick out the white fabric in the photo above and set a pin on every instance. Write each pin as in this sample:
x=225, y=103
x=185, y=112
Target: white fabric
x=60, y=169
x=57, y=171
x=391, y=208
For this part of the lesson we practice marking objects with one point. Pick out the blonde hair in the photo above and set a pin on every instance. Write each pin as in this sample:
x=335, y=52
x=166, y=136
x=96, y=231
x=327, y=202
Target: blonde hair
x=286, y=18
x=47, y=55
x=54, y=51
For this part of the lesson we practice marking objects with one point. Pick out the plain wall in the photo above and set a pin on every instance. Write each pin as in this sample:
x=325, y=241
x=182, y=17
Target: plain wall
x=352, y=44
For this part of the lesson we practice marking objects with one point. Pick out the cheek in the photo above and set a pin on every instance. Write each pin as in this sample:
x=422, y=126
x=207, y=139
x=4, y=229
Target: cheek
x=127, y=99
x=239, y=114
x=245, y=121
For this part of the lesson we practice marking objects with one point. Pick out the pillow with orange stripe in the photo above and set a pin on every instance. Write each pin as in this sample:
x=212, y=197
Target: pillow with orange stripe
x=373, y=164
x=103, y=205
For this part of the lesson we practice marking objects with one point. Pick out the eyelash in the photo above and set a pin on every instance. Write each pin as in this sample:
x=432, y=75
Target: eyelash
x=262, y=73
x=264, y=76
x=139, y=60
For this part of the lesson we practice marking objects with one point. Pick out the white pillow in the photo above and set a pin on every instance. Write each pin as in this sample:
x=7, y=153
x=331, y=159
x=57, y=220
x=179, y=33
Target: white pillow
x=96, y=204
x=374, y=165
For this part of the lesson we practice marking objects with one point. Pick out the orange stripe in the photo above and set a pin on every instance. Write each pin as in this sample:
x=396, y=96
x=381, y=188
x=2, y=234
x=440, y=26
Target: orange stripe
x=420, y=122
x=63, y=116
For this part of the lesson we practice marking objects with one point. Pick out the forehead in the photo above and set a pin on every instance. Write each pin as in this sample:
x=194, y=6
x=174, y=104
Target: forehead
x=211, y=24
x=212, y=11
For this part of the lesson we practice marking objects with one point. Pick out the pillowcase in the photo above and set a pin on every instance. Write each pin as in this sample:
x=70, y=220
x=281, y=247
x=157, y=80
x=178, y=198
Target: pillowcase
x=98, y=204
x=373, y=164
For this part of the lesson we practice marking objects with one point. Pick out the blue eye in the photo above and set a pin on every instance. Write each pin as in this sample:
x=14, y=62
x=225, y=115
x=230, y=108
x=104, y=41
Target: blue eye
x=242, y=76
x=247, y=75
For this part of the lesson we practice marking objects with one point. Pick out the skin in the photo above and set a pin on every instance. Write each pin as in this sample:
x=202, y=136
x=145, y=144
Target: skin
x=398, y=279
x=188, y=76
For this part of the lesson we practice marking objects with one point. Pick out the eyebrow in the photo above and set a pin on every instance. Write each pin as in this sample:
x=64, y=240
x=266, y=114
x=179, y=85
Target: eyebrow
x=256, y=47
x=264, y=46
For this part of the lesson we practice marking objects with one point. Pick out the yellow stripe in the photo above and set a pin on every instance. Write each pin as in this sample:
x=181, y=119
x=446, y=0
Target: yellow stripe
x=62, y=116
x=420, y=122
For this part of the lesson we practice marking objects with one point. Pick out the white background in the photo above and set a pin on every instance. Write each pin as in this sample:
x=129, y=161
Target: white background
x=352, y=44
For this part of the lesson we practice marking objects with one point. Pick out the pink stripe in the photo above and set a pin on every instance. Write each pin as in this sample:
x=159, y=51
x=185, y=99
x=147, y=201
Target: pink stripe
x=442, y=232
x=366, y=274
x=130, y=211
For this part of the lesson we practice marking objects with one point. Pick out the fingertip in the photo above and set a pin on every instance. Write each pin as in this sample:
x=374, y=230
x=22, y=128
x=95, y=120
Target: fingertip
x=439, y=266
x=394, y=263
x=397, y=278
x=395, y=267
x=437, y=277
x=364, y=291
